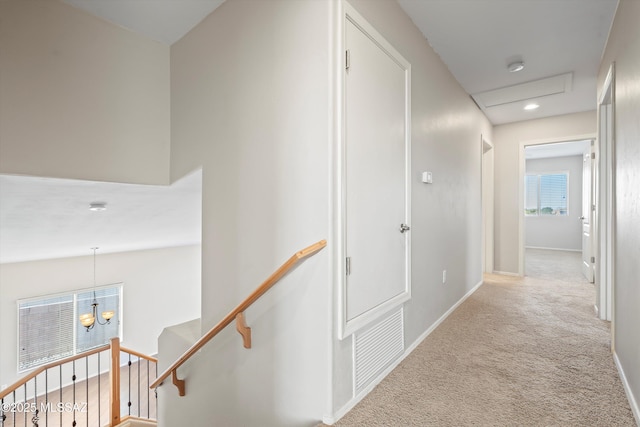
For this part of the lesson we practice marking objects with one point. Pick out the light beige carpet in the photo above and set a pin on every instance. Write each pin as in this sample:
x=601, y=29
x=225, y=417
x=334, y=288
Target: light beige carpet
x=518, y=352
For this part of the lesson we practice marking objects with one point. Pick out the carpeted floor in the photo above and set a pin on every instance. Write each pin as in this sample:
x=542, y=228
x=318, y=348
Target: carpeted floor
x=519, y=352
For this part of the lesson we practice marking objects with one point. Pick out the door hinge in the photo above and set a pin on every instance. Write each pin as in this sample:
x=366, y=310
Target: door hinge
x=347, y=59
x=593, y=156
x=348, y=266
x=593, y=260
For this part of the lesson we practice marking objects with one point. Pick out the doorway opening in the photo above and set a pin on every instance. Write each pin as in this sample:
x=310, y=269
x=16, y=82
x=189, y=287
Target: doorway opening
x=556, y=204
x=487, y=204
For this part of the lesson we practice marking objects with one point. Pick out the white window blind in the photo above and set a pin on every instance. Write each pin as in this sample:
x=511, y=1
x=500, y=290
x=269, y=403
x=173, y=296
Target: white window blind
x=44, y=335
x=49, y=328
x=546, y=194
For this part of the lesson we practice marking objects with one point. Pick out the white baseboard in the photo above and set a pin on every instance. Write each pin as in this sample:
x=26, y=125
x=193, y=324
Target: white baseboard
x=553, y=249
x=633, y=402
x=330, y=420
x=507, y=273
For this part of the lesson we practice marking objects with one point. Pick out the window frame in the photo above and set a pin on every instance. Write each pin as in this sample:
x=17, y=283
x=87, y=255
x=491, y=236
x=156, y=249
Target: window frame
x=74, y=324
x=538, y=176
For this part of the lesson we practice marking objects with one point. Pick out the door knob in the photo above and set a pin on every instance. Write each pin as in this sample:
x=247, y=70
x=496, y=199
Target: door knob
x=404, y=227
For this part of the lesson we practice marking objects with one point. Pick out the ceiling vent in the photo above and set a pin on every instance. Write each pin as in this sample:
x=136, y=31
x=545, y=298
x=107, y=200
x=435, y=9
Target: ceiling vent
x=525, y=91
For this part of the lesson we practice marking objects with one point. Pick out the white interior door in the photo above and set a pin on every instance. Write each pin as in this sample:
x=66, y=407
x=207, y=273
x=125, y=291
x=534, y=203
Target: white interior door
x=376, y=163
x=587, y=200
x=605, y=202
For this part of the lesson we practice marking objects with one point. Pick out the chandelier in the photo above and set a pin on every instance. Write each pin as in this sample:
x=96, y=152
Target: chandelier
x=89, y=320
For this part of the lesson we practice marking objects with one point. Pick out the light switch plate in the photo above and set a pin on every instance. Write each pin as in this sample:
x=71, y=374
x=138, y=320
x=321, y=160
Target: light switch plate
x=427, y=177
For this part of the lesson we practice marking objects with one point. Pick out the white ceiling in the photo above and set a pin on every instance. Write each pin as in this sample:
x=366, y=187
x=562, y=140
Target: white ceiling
x=165, y=21
x=476, y=39
x=558, y=149
x=43, y=218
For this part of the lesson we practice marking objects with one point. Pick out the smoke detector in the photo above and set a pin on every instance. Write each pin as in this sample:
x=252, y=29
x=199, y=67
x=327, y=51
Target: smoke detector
x=514, y=67
x=97, y=206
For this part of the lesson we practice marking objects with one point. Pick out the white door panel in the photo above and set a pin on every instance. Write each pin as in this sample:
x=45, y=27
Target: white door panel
x=587, y=200
x=375, y=176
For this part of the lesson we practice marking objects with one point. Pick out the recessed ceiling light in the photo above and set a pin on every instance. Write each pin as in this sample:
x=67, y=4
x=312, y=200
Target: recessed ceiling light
x=514, y=67
x=531, y=106
x=97, y=206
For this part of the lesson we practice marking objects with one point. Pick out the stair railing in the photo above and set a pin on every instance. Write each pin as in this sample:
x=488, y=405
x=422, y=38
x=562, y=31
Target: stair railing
x=136, y=375
x=71, y=391
x=237, y=314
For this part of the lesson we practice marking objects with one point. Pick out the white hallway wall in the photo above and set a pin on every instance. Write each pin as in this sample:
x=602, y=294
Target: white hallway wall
x=161, y=287
x=446, y=215
x=623, y=48
x=81, y=98
x=558, y=232
x=251, y=105
x=506, y=141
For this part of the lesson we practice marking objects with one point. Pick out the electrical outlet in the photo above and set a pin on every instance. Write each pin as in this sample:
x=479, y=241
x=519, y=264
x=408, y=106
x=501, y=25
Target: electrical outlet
x=444, y=276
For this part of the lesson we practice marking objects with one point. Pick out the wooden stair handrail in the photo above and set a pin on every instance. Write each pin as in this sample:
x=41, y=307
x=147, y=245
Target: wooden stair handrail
x=138, y=354
x=114, y=375
x=43, y=368
x=253, y=297
x=4, y=393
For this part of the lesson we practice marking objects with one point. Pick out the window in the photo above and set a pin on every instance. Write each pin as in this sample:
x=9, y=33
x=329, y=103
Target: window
x=546, y=194
x=49, y=328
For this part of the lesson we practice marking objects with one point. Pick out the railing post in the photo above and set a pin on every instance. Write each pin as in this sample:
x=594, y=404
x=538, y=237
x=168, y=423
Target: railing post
x=114, y=381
